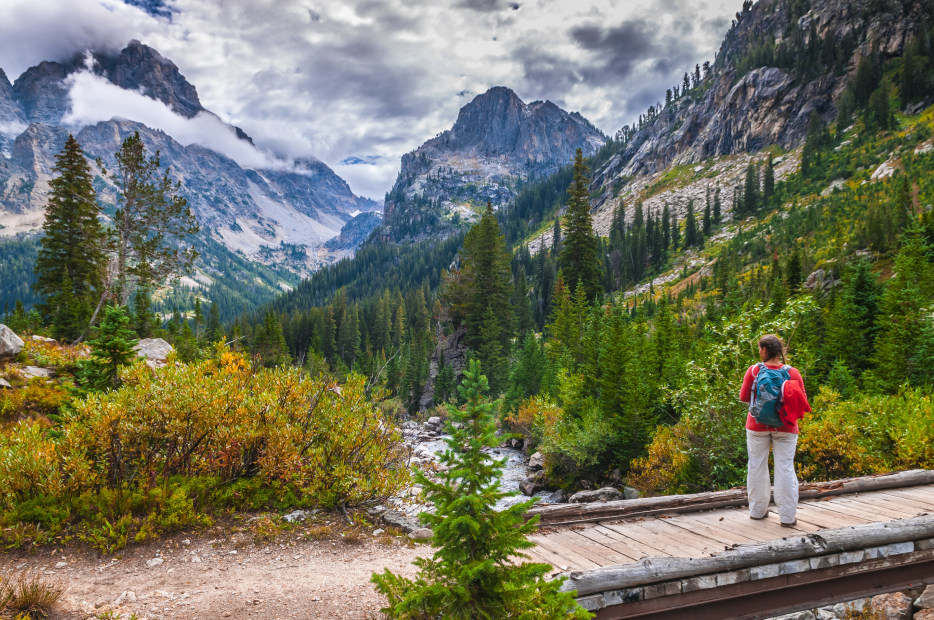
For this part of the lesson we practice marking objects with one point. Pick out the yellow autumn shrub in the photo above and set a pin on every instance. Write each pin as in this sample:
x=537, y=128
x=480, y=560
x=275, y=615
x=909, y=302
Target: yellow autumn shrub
x=221, y=418
x=866, y=434
x=662, y=471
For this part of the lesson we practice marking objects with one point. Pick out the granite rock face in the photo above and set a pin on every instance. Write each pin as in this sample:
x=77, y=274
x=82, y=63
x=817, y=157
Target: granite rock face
x=497, y=142
x=744, y=113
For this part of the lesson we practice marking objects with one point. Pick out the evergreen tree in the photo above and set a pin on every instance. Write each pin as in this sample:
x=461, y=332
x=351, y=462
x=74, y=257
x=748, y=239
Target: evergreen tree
x=851, y=319
x=491, y=355
x=768, y=182
x=70, y=264
x=214, y=330
x=556, y=238
x=902, y=309
x=579, y=260
x=675, y=234
x=717, y=208
x=444, y=381
x=110, y=350
x=144, y=321
x=707, y=225
x=474, y=574
x=269, y=343
x=529, y=372
x=522, y=304
x=149, y=221
x=751, y=190
x=793, y=271
x=483, y=282
x=692, y=236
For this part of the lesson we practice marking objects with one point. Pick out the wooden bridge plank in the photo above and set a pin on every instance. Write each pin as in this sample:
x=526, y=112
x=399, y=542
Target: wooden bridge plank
x=674, y=541
x=897, y=503
x=761, y=530
x=554, y=543
x=862, y=510
x=596, y=550
x=712, y=530
x=626, y=544
x=593, y=533
x=711, y=523
x=632, y=538
x=549, y=556
x=921, y=496
x=826, y=516
x=881, y=507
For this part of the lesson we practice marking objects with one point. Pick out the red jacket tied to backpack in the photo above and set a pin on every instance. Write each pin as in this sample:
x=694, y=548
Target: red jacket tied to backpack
x=794, y=400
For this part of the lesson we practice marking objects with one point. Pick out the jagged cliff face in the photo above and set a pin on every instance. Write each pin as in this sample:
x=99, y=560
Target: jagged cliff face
x=765, y=105
x=265, y=214
x=496, y=143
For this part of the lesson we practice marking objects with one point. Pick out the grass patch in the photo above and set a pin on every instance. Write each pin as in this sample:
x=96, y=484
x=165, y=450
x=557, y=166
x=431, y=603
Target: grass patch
x=29, y=596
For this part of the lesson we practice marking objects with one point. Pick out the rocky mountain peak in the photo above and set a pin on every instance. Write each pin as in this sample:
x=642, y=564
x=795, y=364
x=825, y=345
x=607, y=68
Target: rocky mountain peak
x=140, y=67
x=496, y=144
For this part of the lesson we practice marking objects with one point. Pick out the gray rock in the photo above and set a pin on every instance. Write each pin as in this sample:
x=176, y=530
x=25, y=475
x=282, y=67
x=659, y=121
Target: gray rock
x=378, y=531
x=153, y=563
x=61, y=564
x=892, y=606
x=33, y=372
x=606, y=494
x=128, y=596
x=926, y=600
x=5, y=384
x=531, y=485
x=537, y=461
x=397, y=519
x=155, y=349
x=422, y=533
x=10, y=343
x=851, y=607
x=296, y=515
x=631, y=493
x=825, y=613
x=433, y=421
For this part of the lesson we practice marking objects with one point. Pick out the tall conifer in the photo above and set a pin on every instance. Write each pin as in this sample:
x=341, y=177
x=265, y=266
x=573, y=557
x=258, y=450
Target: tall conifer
x=70, y=264
x=579, y=259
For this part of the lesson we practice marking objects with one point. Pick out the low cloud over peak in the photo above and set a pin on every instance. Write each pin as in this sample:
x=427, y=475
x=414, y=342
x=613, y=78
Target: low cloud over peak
x=372, y=80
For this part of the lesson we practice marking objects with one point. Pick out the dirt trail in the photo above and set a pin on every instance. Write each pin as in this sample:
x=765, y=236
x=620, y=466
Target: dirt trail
x=213, y=575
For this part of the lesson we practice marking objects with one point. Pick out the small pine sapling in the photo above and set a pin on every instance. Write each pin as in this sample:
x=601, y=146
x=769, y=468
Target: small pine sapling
x=474, y=574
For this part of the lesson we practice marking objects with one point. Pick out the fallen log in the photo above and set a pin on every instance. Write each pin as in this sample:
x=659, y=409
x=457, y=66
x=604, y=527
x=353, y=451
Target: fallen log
x=566, y=514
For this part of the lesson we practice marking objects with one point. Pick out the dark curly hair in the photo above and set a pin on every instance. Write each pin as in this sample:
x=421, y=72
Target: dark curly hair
x=773, y=345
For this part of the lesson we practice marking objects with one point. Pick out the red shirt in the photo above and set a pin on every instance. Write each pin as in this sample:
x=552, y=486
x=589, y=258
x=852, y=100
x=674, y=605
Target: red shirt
x=745, y=395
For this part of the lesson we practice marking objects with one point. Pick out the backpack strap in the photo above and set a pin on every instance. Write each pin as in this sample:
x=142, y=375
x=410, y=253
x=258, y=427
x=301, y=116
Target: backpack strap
x=755, y=381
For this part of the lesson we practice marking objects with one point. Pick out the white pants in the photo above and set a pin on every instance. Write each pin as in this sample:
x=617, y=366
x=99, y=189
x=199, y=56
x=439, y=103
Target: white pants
x=757, y=479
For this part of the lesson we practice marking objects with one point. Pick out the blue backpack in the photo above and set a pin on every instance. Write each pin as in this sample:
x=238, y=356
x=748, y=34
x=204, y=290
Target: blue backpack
x=766, y=401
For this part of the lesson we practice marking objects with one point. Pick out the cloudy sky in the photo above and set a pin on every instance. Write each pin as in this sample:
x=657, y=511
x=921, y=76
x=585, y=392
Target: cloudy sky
x=357, y=83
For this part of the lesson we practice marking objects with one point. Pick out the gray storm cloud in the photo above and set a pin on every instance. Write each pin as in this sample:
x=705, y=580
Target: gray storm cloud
x=357, y=83
x=94, y=99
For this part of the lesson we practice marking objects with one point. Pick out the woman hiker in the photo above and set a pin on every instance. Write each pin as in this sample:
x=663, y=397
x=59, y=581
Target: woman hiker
x=782, y=437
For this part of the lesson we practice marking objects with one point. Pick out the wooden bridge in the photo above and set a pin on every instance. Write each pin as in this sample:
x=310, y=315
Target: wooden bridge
x=701, y=555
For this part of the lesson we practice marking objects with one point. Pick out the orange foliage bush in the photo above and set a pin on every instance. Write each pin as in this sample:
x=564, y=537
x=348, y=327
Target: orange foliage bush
x=664, y=470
